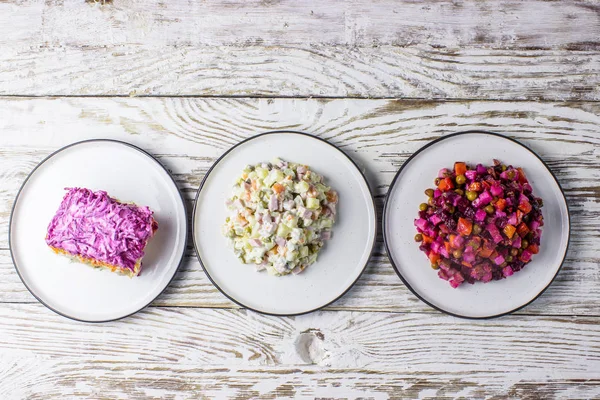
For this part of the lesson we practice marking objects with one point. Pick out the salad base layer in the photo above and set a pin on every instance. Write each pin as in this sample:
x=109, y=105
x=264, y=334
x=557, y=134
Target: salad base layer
x=99, y=264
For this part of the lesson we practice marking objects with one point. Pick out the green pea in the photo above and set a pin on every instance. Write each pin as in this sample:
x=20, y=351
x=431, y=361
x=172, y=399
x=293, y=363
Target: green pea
x=457, y=253
x=450, y=208
x=429, y=192
x=423, y=207
x=471, y=195
x=461, y=179
x=524, y=244
x=489, y=209
x=476, y=229
x=437, y=181
x=514, y=252
x=460, y=192
x=418, y=237
x=504, y=167
x=510, y=258
x=435, y=266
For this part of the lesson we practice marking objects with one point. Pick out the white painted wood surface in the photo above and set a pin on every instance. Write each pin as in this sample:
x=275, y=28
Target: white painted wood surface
x=463, y=64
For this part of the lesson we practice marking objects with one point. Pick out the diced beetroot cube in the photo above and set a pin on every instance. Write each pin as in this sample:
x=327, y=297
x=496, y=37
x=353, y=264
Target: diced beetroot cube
x=481, y=170
x=510, y=174
x=421, y=224
x=507, y=271
x=469, y=257
x=500, y=214
x=512, y=219
x=444, y=228
x=499, y=260
x=459, y=241
x=454, y=283
x=435, y=247
x=480, y=215
x=484, y=199
x=444, y=252
x=471, y=174
x=430, y=231
x=534, y=225
x=442, y=274
x=435, y=219
x=516, y=243
x=496, y=190
x=526, y=256
x=443, y=173
x=494, y=232
x=437, y=193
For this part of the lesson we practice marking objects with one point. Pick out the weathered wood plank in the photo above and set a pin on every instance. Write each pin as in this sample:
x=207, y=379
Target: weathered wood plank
x=329, y=339
x=163, y=352
x=472, y=49
x=319, y=71
x=55, y=379
x=510, y=23
x=187, y=135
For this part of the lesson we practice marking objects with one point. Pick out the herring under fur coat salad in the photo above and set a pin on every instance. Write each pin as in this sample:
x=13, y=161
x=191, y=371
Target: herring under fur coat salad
x=280, y=215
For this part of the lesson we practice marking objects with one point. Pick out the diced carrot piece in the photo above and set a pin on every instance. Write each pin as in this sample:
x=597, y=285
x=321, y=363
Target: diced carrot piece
x=522, y=229
x=448, y=247
x=427, y=239
x=466, y=264
x=446, y=184
x=452, y=241
x=519, y=216
x=509, y=231
x=474, y=187
x=278, y=188
x=434, y=257
x=522, y=177
x=460, y=168
x=534, y=248
x=525, y=207
x=486, y=250
x=464, y=226
x=501, y=204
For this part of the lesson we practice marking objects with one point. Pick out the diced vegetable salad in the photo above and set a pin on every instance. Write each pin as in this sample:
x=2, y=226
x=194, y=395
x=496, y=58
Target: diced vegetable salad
x=280, y=215
x=479, y=224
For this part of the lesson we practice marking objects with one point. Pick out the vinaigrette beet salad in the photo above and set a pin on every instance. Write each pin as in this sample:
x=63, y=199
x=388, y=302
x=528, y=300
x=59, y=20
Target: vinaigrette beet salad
x=479, y=224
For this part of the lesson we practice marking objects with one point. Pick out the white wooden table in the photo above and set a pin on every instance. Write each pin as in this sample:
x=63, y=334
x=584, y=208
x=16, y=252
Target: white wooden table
x=186, y=80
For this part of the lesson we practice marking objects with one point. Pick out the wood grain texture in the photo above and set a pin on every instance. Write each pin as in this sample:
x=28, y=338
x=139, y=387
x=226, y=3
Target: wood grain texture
x=436, y=49
x=379, y=341
x=162, y=352
x=187, y=135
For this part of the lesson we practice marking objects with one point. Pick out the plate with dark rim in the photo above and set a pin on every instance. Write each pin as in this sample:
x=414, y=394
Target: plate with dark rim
x=479, y=300
x=76, y=290
x=340, y=262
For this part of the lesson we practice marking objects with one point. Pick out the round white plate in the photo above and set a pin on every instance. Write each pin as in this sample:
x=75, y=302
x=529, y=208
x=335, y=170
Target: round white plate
x=340, y=262
x=479, y=300
x=76, y=290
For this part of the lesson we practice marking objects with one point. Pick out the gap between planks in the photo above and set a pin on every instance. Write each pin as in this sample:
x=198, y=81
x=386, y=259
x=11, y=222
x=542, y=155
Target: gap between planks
x=293, y=97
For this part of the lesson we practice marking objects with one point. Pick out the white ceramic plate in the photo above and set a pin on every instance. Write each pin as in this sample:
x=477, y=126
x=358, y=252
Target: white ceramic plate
x=479, y=300
x=76, y=290
x=340, y=262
